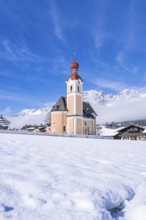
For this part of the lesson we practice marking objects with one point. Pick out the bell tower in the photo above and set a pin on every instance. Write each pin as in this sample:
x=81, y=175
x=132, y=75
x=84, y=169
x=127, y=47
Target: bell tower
x=74, y=101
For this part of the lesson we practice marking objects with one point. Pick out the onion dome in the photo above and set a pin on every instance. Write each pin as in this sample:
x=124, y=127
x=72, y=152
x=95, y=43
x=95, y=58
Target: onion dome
x=74, y=66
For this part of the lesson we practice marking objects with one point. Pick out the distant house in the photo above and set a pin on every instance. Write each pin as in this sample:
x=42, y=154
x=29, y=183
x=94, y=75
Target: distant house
x=144, y=133
x=36, y=129
x=4, y=123
x=131, y=132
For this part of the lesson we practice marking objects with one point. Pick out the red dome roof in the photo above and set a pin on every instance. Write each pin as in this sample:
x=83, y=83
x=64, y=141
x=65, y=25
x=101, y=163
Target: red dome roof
x=74, y=76
x=74, y=66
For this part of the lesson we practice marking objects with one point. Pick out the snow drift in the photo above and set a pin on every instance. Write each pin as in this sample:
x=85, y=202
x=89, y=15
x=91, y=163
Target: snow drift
x=56, y=178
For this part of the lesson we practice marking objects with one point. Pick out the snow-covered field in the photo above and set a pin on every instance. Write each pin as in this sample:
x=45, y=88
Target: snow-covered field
x=58, y=178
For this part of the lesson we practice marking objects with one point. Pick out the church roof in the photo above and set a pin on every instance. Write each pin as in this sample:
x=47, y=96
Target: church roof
x=74, y=66
x=60, y=105
x=88, y=111
x=74, y=76
x=3, y=122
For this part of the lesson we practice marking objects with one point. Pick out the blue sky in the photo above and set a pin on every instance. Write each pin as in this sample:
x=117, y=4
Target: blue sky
x=38, y=39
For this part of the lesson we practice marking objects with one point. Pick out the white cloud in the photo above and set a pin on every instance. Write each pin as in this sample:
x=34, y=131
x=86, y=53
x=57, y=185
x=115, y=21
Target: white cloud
x=131, y=29
x=100, y=32
x=49, y=104
x=120, y=57
x=9, y=97
x=58, y=29
x=6, y=111
x=19, y=97
x=110, y=84
x=17, y=53
x=123, y=111
x=124, y=106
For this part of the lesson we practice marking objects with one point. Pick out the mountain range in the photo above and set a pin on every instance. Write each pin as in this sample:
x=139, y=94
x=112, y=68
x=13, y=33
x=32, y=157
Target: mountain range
x=127, y=105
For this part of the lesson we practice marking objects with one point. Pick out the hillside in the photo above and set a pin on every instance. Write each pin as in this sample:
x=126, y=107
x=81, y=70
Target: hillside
x=30, y=117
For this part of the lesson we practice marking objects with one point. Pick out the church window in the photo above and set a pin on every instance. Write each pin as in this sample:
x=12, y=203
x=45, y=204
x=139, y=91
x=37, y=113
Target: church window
x=64, y=128
x=71, y=88
x=78, y=89
x=57, y=107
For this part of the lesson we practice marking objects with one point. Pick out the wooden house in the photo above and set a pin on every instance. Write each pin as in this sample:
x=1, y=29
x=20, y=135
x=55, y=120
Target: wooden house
x=131, y=132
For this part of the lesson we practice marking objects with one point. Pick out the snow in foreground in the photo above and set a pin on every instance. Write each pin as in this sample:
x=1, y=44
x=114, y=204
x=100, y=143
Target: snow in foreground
x=58, y=178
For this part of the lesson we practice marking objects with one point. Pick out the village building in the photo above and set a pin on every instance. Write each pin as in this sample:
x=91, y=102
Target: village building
x=131, y=132
x=70, y=114
x=4, y=123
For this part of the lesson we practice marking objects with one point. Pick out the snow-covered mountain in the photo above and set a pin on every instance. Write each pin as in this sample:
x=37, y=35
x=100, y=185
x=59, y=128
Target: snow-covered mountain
x=30, y=117
x=40, y=111
x=125, y=105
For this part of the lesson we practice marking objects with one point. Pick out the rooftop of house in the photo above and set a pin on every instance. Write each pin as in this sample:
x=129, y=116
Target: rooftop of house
x=3, y=122
x=131, y=127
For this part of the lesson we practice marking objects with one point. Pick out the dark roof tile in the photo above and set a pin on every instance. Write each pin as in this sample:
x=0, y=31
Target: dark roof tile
x=60, y=105
x=88, y=111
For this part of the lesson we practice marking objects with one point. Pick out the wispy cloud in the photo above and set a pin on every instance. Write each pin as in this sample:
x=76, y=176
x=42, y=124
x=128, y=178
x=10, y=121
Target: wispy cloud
x=99, y=30
x=4, y=74
x=7, y=96
x=19, y=97
x=110, y=84
x=131, y=28
x=56, y=19
x=49, y=104
x=120, y=57
x=6, y=111
x=129, y=36
x=130, y=33
x=15, y=53
x=60, y=64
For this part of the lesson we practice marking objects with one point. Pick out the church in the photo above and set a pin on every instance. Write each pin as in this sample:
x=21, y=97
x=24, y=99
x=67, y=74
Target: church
x=70, y=114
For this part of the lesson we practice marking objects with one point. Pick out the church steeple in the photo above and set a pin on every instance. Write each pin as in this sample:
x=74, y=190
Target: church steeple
x=74, y=66
x=74, y=101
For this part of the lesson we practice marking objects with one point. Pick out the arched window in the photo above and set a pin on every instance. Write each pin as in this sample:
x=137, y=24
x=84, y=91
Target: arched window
x=71, y=89
x=64, y=128
x=78, y=89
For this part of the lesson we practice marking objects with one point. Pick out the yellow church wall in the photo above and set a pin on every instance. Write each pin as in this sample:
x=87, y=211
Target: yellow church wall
x=70, y=105
x=89, y=126
x=70, y=127
x=79, y=105
x=79, y=123
x=58, y=120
